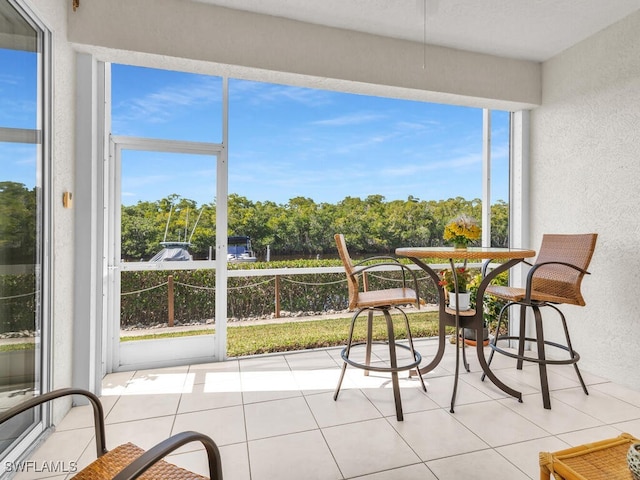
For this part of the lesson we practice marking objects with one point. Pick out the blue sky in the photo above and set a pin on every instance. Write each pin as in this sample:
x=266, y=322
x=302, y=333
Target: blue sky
x=284, y=141
x=288, y=141
x=18, y=103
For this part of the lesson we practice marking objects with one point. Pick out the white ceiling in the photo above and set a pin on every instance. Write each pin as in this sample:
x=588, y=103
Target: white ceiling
x=523, y=29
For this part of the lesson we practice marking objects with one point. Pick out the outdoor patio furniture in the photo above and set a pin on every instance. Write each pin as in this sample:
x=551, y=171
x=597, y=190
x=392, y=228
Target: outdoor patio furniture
x=461, y=319
x=128, y=461
x=554, y=279
x=602, y=460
x=384, y=300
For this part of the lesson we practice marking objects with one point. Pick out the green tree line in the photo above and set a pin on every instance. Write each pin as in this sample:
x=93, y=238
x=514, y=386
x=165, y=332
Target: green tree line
x=18, y=218
x=301, y=226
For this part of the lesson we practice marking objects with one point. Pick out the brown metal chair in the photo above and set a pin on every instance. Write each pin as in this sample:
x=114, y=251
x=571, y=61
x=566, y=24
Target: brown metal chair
x=554, y=279
x=383, y=301
x=128, y=461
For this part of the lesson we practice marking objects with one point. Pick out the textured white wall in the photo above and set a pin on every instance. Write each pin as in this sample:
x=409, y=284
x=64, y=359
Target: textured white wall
x=585, y=177
x=54, y=14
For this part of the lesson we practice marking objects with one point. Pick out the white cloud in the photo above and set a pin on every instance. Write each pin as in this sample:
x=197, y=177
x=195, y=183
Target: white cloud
x=351, y=119
x=159, y=106
x=444, y=166
x=257, y=93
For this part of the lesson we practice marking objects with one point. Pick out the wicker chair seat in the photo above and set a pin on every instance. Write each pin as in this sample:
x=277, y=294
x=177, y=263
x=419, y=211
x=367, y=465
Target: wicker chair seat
x=514, y=294
x=386, y=297
x=108, y=465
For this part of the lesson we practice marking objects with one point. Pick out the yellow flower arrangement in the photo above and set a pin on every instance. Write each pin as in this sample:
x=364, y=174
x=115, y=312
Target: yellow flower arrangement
x=462, y=230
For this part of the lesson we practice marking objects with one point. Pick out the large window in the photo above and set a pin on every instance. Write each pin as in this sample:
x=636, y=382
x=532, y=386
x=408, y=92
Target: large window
x=167, y=144
x=386, y=171
x=23, y=226
x=300, y=164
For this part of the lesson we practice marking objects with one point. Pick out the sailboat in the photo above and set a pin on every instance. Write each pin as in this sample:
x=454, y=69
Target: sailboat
x=173, y=251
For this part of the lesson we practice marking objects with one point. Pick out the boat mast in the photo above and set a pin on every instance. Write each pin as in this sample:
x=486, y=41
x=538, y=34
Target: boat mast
x=196, y=224
x=166, y=229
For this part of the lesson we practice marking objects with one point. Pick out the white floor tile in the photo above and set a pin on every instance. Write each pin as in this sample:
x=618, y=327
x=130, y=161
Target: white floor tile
x=351, y=406
x=483, y=465
x=590, y=435
x=195, y=461
x=143, y=433
x=525, y=455
x=497, y=424
x=418, y=471
x=234, y=459
x=632, y=427
x=530, y=375
x=116, y=383
x=618, y=391
x=561, y=418
x=265, y=385
x=314, y=360
x=264, y=363
x=82, y=416
x=204, y=371
x=570, y=372
x=436, y=434
x=235, y=462
x=136, y=407
x=60, y=452
x=412, y=397
x=604, y=407
x=224, y=425
x=295, y=456
x=160, y=381
x=278, y=417
x=211, y=394
x=26, y=475
x=274, y=416
x=440, y=390
x=368, y=447
x=315, y=381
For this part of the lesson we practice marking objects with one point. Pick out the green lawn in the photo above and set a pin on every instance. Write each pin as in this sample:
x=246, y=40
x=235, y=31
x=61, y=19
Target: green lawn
x=27, y=345
x=283, y=337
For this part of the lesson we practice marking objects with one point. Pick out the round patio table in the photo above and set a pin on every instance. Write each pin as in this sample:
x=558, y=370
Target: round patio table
x=471, y=319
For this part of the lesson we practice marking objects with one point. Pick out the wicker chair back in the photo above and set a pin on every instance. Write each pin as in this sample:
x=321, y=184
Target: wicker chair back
x=560, y=283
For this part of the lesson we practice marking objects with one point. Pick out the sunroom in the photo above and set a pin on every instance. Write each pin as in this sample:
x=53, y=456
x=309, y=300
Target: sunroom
x=567, y=72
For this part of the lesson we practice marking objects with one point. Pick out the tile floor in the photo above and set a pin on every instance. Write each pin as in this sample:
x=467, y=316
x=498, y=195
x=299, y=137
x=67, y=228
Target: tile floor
x=274, y=417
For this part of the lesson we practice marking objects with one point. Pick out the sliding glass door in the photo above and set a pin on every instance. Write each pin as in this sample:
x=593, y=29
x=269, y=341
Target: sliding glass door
x=23, y=226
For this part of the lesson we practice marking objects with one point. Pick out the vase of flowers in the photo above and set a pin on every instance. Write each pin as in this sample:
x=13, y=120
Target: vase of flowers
x=461, y=231
x=633, y=460
x=448, y=282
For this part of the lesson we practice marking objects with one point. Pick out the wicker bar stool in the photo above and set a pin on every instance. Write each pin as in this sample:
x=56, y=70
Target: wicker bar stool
x=383, y=301
x=128, y=461
x=554, y=279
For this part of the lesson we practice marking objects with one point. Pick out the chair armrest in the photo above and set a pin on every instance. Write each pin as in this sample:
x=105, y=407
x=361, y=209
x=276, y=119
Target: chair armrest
x=156, y=453
x=487, y=262
x=535, y=268
x=361, y=268
x=98, y=411
x=376, y=258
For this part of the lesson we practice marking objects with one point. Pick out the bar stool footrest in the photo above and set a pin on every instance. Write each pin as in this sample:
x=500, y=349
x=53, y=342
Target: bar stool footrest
x=374, y=368
x=548, y=361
